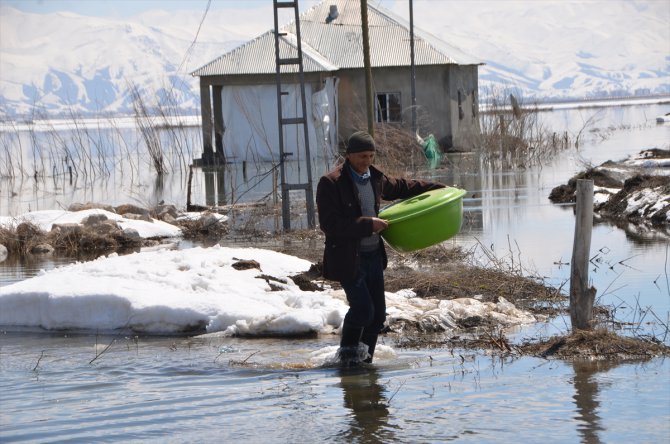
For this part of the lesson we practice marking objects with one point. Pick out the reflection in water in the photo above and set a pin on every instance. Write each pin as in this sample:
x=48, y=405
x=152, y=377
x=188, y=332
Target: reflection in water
x=159, y=186
x=586, y=398
x=366, y=399
x=215, y=186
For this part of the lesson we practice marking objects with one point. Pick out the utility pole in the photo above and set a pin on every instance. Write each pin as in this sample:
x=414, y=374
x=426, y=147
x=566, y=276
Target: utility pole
x=581, y=296
x=413, y=73
x=368, y=69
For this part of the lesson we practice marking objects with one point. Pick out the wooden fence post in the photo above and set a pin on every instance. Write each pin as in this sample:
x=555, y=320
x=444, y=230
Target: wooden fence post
x=581, y=296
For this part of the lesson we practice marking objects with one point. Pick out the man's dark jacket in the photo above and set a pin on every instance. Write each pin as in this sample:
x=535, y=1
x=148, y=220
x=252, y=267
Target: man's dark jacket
x=340, y=214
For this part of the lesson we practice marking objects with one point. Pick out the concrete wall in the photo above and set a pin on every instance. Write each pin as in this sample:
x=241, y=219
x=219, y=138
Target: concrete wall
x=437, y=98
x=464, y=118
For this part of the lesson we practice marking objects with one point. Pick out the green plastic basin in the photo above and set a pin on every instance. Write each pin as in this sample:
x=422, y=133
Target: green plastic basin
x=423, y=220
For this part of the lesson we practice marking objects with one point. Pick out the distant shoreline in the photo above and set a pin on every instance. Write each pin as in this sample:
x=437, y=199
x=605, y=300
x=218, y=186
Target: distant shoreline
x=657, y=99
x=556, y=104
x=125, y=121
x=66, y=124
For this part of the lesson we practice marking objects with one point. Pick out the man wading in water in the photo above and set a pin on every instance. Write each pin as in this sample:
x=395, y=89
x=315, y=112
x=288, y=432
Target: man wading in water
x=348, y=200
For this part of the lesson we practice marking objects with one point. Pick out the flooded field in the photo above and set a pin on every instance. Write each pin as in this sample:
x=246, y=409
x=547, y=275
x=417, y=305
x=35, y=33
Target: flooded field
x=260, y=391
x=64, y=386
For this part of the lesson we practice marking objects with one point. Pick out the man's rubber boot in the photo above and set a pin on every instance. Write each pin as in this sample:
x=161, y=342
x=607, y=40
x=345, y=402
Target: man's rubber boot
x=369, y=339
x=347, y=354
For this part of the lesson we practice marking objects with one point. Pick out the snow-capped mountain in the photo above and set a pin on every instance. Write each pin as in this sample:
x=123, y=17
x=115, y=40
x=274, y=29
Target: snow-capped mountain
x=64, y=63
x=557, y=49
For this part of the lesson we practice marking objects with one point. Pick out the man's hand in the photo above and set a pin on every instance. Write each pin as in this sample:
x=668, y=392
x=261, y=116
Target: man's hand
x=379, y=225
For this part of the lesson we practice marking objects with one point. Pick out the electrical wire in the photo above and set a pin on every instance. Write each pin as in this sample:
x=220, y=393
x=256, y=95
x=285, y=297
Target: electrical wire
x=195, y=39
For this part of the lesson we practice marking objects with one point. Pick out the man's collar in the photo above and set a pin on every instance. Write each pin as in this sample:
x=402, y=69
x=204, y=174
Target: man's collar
x=359, y=178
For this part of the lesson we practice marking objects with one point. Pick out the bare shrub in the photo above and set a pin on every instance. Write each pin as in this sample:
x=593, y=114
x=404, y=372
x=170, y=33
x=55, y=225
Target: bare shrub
x=94, y=239
x=202, y=229
x=148, y=129
x=512, y=133
x=21, y=239
x=28, y=232
x=9, y=239
x=399, y=152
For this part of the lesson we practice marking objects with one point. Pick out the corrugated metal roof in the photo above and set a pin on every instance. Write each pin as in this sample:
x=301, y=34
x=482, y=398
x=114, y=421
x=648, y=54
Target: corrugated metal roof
x=339, y=44
x=257, y=56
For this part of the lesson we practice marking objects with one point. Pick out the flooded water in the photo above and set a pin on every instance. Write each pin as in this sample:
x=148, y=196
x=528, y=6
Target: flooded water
x=511, y=214
x=225, y=389
x=71, y=387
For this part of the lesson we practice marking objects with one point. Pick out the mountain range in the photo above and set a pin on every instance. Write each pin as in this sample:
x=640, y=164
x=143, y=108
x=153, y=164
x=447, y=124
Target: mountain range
x=64, y=64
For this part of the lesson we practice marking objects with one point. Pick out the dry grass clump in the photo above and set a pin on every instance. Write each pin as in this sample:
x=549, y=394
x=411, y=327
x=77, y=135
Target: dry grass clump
x=596, y=345
x=27, y=238
x=87, y=240
x=486, y=337
x=21, y=240
x=9, y=240
x=433, y=254
x=599, y=343
x=202, y=229
x=452, y=280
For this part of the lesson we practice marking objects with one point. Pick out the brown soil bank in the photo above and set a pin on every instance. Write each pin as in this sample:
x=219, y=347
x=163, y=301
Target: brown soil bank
x=635, y=190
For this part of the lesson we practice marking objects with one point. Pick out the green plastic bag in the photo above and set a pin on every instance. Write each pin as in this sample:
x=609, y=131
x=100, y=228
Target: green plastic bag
x=431, y=149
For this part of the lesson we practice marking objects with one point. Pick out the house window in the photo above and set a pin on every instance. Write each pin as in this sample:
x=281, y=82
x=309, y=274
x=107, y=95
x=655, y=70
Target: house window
x=388, y=107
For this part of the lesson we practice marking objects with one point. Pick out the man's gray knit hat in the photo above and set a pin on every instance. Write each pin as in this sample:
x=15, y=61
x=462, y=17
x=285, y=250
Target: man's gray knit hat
x=360, y=141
